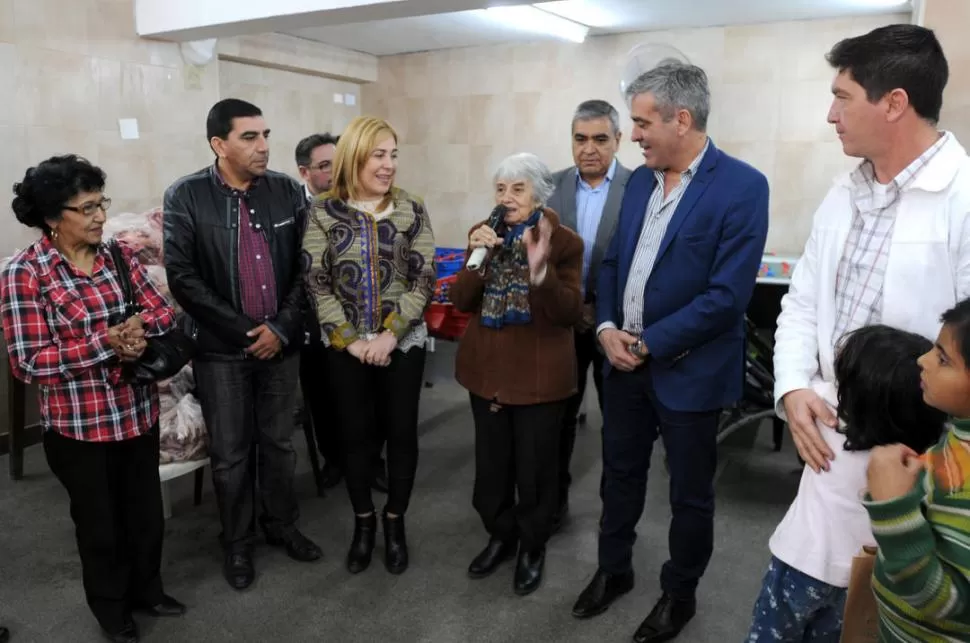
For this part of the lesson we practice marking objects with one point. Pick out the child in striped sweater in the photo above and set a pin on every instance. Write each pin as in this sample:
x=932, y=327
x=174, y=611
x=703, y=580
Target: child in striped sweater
x=919, y=507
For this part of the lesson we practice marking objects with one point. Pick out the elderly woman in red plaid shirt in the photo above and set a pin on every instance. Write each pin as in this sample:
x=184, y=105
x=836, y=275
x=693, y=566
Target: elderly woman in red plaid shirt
x=101, y=434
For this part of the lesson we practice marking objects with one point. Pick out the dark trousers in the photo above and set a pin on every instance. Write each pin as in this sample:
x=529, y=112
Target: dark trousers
x=116, y=505
x=517, y=470
x=587, y=352
x=247, y=402
x=634, y=419
x=319, y=400
x=376, y=401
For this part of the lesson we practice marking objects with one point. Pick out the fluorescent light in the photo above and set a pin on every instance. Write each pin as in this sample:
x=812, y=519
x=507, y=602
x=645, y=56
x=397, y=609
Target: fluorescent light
x=585, y=12
x=528, y=18
x=880, y=4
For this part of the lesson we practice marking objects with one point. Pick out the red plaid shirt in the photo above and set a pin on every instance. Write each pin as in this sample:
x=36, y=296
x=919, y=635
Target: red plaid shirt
x=55, y=323
x=257, y=279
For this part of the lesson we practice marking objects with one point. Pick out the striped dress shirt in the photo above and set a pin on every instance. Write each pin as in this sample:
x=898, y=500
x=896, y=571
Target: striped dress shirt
x=660, y=210
x=862, y=268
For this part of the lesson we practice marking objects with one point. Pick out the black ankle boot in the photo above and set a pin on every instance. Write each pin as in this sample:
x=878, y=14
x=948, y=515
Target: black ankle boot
x=365, y=529
x=395, y=545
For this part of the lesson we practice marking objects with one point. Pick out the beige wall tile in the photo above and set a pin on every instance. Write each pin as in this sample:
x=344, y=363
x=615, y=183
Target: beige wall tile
x=751, y=54
x=751, y=111
x=803, y=111
x=791, y=223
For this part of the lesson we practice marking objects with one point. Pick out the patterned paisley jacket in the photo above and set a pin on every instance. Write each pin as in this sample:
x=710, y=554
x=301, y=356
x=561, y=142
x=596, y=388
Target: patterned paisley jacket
x=367, y=274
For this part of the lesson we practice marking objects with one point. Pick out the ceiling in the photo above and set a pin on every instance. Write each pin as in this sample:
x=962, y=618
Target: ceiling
x=474, y=28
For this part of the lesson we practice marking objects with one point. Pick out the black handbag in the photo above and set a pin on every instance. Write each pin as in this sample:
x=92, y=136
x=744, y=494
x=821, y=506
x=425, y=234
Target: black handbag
x=164, y=355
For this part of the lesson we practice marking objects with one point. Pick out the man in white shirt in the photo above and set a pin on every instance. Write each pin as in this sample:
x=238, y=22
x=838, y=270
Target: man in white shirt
x=888, y=243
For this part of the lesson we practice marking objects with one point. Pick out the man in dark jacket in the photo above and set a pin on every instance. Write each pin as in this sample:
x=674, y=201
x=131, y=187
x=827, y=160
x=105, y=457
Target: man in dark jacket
x=233, y=236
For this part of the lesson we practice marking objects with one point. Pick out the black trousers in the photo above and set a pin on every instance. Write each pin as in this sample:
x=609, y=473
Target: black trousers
x=376, y=401
x=247, y=402
x=116, y=506
x=517, y=470
x=587, y=352
x=319, y=399
x=634, y=420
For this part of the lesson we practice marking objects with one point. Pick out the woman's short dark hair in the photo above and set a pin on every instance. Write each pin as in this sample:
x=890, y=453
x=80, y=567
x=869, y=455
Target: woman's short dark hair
x=880, y=399
x=45, y=189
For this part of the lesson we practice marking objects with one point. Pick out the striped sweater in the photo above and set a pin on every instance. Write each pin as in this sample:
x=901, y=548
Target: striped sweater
x=922, y=575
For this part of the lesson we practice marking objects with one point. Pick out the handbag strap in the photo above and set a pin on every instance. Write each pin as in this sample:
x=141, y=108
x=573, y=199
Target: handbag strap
x=124, y=278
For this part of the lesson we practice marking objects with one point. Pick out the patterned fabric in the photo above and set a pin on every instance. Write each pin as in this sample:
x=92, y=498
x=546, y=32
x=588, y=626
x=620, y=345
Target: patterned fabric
x=922, y=574
x=660, y=210
x=794, y=607
x=506, y=298
x=859, y=280
x=370, y=275
x=55, y=323
x=257, y=280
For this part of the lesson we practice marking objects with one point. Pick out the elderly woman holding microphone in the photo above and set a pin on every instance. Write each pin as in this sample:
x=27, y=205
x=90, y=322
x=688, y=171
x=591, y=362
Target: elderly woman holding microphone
x=518, y=363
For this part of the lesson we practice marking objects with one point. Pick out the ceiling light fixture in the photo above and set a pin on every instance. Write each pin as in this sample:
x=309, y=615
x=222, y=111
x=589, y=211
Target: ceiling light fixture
x=533, y=19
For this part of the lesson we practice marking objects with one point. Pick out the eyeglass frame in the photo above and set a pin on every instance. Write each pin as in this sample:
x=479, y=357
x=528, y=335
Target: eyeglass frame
x=90, y=209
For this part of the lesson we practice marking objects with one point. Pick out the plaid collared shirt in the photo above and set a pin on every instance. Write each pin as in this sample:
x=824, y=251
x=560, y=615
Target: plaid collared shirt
x=55, y=323
x=257, y=279
x=862, y=268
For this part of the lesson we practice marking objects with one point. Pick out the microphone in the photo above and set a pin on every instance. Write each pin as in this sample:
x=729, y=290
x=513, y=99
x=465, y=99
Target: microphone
x=496, y=221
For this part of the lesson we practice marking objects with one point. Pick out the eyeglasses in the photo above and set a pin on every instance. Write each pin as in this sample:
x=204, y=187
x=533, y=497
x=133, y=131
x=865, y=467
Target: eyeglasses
x=90, y=209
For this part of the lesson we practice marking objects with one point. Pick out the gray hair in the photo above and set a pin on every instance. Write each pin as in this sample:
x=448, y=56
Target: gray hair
x=676, y=86
x=593, y=109
x=527, y=167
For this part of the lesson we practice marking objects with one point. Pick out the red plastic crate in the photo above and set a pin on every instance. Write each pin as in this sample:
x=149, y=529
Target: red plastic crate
x=444, y=322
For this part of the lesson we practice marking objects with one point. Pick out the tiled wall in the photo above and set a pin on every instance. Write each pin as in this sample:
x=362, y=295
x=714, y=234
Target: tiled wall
x=950, y=20
x=68, y=72
x=69, y=69
x=460, y=111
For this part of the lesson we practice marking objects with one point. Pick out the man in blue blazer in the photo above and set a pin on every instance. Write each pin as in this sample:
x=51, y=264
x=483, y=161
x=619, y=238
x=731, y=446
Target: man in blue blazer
x=672, y=293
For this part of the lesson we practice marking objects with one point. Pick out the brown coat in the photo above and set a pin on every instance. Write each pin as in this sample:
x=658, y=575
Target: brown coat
x=529, y=363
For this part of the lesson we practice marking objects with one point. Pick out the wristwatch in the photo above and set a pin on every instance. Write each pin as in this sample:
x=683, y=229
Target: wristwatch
x=638, y=348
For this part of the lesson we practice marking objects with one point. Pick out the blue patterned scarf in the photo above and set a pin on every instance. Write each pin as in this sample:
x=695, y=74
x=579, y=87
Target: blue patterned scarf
x=506, y=298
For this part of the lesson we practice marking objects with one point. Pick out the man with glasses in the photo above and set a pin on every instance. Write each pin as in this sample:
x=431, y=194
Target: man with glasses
x=314, y=160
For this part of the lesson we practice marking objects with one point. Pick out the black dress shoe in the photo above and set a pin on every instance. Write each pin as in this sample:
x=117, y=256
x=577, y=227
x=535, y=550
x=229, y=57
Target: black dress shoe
x=168, y=606
x=330, y=476
x=601, y=592
x=668, y=618
x=362, y=547
x=4, y=635
x=528, y=571
x=395, y=545
x=127, y=634
x=495, y=553
x=298, y=547
x=239, y=570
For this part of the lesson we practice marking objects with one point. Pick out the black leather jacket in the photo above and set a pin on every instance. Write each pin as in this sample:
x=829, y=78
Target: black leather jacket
x=201, y=254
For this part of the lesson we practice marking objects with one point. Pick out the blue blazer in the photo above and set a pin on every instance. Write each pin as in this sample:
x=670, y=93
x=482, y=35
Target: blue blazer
x=701, y=283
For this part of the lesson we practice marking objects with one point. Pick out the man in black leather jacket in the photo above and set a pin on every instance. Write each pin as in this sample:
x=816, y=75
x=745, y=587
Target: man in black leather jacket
x=233, y=237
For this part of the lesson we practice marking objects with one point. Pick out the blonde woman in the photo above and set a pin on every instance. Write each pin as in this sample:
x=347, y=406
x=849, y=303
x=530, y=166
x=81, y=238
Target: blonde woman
x=372, y=277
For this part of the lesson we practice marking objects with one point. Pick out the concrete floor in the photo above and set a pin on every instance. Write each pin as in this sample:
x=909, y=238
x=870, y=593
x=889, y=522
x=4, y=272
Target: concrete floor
x=41, y=599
